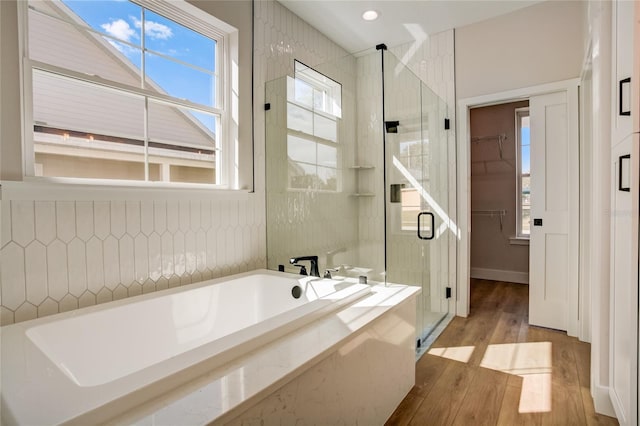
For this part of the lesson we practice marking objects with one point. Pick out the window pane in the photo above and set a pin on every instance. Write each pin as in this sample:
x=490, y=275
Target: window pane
x=180, y=80
x=325, y=128
x=303, y=93
x=183, y=142
x=327, y=179
x=410, y=209
x=299, y=119
x=172, y=39
x=82, y=130
x=302, y=176
x=59, y=43
x=299, y=149
x=327, y=156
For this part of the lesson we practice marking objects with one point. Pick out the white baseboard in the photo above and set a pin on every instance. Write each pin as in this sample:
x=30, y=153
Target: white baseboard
x=500, y=275
x=602, y=401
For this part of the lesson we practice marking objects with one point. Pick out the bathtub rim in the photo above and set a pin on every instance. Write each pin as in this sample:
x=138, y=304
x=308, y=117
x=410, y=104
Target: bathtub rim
x=132, y=390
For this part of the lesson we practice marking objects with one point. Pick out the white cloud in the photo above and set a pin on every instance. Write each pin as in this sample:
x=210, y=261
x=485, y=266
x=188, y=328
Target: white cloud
x=155, y=30
x=120, y=29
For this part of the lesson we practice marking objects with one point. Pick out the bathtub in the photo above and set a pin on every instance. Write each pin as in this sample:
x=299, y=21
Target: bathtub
x=89, y=365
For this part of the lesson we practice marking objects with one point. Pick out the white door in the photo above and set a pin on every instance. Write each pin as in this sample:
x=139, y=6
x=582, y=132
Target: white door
x=553, y=262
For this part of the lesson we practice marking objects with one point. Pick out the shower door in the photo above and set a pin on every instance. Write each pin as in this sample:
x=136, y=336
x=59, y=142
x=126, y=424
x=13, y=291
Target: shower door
x=419, y=229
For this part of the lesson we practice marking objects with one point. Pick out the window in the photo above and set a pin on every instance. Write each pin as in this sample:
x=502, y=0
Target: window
x=314, y=107
x=523, y=173
x=126, y=91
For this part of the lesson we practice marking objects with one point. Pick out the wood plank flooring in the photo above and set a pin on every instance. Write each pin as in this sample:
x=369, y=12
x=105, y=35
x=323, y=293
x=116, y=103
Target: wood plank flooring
x=454, y=392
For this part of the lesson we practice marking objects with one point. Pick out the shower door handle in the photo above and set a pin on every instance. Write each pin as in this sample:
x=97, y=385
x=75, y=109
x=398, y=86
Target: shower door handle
x=430, y=237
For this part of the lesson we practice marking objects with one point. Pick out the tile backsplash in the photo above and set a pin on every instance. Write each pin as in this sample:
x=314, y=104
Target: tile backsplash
x=63, y=255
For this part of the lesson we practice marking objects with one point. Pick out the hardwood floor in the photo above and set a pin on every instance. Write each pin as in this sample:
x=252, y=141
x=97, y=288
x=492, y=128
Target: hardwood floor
x=492, y=368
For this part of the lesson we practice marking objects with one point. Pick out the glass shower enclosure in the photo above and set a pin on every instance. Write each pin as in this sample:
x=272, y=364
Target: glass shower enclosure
x=360, y=172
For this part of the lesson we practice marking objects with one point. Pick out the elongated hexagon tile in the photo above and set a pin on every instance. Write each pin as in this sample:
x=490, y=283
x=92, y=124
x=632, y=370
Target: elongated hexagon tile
x=23, y=222
x=205, y=214
x=211, y=248
x=179, y=259
x=95, y=265
x=185, y=215
x=57, y=270
x=141, y=258
x=190, y=252
x=149, y=286
x=120, y=292
x=65, y=220
x=173, y=216
x=118, y=218
x=127, y=265
x=221, y=249
x=232, y=245
x=68, y=303
x=160, y=216
x=5, y=218
x=104, y=295
x=194, y=209
x=26, y=312
x=87, y=299
x=146, y=217
x=201, y=250
x=162, y=283
x=134, y=289
x=101, y=219
x=45, y=212
x=167, y=254
x=174, y=281
x=77, y=258
x=48, y=307
x=84, y=220
x=12, y=273
x=133, y=217
x=196, y=277
x=35, y=257
x=185, y=279
x=111, y=259
x=207, y=274
x=7, y=316
x=155, y=256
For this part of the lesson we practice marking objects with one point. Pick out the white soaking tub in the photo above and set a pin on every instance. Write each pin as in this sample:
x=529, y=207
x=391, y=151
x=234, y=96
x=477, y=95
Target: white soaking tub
x=89, y=365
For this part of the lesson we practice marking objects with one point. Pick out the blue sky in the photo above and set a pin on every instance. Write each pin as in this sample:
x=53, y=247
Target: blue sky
x=526, y=154
x=122, y=19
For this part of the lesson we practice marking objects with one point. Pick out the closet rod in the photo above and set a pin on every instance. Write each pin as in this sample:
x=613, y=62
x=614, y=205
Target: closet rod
x=491, y=213
x=499, y=138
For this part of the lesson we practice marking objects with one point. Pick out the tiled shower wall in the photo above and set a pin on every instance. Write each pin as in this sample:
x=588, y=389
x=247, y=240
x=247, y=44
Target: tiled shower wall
x=63, y=255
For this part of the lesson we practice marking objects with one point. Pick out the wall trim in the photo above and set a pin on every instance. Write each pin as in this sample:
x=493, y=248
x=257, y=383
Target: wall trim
x=602, y=401
x=500, y=275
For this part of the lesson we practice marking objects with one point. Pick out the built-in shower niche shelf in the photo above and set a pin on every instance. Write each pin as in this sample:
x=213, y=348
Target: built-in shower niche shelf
x=363, y=194
x=362, y=167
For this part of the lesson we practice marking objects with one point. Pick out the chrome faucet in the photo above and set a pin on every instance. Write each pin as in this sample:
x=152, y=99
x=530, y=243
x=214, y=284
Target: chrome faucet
x=313, y=260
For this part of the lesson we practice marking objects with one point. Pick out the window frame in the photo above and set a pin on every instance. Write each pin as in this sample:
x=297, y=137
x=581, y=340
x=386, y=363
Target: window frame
x=519, y=113
x=184, y=14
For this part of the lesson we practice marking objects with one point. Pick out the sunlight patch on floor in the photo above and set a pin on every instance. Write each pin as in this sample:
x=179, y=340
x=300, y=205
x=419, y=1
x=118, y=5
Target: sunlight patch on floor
x=535, y=396
x=458, y=353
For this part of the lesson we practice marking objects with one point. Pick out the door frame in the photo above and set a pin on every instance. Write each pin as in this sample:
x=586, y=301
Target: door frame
x=576, y=309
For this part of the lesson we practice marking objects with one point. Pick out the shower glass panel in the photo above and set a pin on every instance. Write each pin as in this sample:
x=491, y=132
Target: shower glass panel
x=419, y=227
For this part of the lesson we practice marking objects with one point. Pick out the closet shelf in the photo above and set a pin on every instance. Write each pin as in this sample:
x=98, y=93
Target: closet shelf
x=491, y=213
x=498, y=138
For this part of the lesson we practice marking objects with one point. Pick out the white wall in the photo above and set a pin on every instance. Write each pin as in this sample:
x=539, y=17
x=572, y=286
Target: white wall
x=539, y=44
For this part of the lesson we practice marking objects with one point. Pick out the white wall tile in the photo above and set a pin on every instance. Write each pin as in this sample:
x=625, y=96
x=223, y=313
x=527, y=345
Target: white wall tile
x=23, y=222
x=5, y=230
x=120, y=292
x=179, y=260
x=111, y=252
x=167, y=255
x=141, y=258
x=205, y=214
x=87, y=299
x=36, y=272
x=160, y=216
x=95, y=265
x=173, y=216
x=211, y=248
x=134, y=289
x=66, y=220
x=102, y=219
x=57, y=270
x=185, y=215
x=118, y=218
x=84, y=220
x=149, y=286
x=146, y=217
x=13, y=276
x=77, y=258
x=127, y=266
x=195, y=215
x=155, y=256
x=162, y=283
x=48, y=307
x=190, y=252
x=133, y=217
x=201, y=251
x=7, y=316
x=26, y=312
x=105, y=295
x=68, y=303
x=45, y=214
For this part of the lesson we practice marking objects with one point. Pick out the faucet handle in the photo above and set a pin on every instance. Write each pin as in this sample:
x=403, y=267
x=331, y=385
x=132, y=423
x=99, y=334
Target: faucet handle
x=303, y=269
x=328, y=271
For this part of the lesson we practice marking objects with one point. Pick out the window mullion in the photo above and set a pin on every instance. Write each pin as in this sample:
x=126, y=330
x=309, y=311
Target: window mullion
x=143, y=60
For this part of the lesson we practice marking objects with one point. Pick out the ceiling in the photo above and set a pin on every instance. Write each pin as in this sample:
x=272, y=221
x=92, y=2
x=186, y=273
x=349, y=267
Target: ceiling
x=399, y=21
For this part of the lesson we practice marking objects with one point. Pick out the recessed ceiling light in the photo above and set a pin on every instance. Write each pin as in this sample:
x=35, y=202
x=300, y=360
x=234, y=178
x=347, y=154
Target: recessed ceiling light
x=370, y=15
